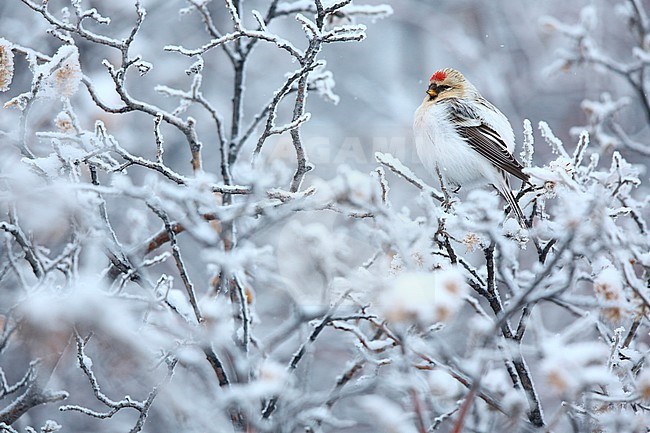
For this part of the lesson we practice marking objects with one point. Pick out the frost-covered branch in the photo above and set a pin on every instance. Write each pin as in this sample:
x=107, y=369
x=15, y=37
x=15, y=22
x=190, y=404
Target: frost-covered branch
x=289, y=295
x=86, y=365
x=586, y=49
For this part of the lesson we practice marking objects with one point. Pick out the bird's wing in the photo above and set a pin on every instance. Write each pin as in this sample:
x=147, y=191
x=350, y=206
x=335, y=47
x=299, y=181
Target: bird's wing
x=484, y=139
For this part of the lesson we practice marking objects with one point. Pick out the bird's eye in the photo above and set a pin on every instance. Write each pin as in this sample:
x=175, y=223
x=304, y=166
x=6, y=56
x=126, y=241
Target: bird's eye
x=443, y=88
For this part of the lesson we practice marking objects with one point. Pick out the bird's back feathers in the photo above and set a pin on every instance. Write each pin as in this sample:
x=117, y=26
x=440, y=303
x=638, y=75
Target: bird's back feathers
x=485, y=141
x=483, y=137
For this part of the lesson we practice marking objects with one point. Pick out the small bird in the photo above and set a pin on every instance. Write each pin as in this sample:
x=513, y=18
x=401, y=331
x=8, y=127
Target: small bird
x=466, y=137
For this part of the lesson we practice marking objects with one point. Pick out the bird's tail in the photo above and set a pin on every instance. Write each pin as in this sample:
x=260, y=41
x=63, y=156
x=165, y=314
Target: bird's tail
x=506, y=191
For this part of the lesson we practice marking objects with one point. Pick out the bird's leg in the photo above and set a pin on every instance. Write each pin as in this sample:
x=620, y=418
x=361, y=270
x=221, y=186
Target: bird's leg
x=447, y=203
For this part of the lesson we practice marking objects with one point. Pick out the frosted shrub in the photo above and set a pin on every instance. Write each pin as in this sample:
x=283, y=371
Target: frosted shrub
x=163, y=268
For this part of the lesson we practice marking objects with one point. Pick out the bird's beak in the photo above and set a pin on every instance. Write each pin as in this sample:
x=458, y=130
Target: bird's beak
x=433, y=90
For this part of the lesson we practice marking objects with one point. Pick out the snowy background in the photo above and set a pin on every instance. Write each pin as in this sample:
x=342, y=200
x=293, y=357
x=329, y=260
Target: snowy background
x=172, y=260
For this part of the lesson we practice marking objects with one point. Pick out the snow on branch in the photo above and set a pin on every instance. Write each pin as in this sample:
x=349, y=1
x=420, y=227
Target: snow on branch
x=340, y=10
x=587, y=48
x=394, y=165
x=165, y=223
x=253, y=34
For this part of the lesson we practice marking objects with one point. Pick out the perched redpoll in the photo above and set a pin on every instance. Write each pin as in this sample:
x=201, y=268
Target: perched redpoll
x=467, y=138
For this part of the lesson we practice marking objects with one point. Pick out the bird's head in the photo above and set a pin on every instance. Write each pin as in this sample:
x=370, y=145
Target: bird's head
x=446, y=83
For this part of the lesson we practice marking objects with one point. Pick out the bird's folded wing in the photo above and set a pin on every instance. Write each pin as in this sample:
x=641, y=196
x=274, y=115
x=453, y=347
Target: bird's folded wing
x=486, y=141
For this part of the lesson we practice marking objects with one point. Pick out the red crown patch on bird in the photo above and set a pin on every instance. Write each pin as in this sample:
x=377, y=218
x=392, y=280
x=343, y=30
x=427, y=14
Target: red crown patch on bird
x=438, y=76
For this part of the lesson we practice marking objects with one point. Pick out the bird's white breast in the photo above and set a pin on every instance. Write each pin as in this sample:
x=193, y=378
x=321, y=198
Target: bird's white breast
x=438, y=144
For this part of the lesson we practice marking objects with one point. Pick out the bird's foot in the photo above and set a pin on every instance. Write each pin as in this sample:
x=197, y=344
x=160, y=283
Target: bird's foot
x=449, y=203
